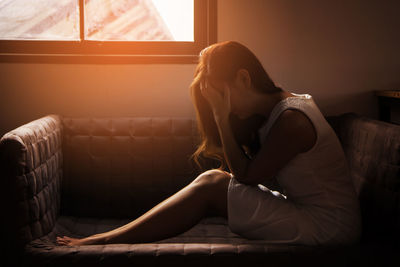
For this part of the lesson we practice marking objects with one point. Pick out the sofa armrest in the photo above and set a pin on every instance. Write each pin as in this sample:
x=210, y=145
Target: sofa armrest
x=31, y=173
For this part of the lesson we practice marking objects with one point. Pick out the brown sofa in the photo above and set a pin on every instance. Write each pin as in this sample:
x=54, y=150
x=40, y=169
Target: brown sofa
x=80, y=176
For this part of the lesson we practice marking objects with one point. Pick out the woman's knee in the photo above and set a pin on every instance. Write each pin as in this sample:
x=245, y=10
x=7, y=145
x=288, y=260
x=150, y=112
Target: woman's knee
x=213, y=177
x=213, y=185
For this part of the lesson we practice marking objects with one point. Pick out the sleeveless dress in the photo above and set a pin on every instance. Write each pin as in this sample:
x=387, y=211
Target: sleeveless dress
x=318, y=204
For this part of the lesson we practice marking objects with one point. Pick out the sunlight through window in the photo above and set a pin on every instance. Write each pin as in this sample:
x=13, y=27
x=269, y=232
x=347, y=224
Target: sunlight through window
x=106, y=31
x=39, y=20
x=178, y=15
x=104, y=20
x=139, y=20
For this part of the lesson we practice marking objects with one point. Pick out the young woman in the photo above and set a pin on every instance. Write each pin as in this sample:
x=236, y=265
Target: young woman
x=265, y=136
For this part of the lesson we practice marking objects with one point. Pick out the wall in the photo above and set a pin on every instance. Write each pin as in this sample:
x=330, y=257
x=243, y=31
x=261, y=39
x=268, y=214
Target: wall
x=338, y=51
x=32, y=90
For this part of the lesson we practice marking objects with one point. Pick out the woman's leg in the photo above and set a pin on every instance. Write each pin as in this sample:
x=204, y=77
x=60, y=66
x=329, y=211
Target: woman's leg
x=205, y=196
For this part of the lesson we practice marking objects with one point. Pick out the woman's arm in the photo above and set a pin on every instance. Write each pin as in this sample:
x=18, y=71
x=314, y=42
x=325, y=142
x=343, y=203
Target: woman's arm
x=234, y=156
x=291, y=134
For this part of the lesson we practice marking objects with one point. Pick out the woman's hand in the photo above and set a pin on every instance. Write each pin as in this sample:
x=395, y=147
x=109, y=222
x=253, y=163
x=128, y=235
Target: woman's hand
x=220, y=102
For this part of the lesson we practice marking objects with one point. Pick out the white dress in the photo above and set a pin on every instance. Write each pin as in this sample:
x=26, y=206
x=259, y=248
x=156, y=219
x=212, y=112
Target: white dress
x=318, y=204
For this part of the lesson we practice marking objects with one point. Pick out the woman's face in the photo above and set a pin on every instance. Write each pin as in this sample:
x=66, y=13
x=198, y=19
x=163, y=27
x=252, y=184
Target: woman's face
x=239, y=95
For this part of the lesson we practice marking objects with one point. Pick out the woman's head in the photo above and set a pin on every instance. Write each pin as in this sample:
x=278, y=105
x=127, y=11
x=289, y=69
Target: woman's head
x=234, y=64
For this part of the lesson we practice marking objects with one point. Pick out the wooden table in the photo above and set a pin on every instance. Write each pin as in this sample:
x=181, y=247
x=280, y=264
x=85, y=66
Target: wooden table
x=387, y=99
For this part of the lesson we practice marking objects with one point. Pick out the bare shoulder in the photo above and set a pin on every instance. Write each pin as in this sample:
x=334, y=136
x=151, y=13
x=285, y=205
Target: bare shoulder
x=295, y=125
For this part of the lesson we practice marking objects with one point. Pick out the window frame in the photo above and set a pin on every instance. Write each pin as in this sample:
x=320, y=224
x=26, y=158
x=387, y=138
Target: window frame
x=102, y=52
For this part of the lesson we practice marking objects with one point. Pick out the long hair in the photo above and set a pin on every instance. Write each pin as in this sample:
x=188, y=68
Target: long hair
x=222, y=61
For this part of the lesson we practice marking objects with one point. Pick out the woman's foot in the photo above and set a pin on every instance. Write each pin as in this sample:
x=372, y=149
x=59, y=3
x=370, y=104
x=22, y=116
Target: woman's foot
x=69, y=241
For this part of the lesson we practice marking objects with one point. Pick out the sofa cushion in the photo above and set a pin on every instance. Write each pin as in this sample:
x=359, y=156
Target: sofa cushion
x=208, y=243
x=372, y=149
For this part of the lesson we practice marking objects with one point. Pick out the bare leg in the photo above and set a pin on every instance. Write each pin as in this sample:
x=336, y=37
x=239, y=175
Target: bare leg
x=206, y=195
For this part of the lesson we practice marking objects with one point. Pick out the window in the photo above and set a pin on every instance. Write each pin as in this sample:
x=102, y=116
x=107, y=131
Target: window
x=106, y=31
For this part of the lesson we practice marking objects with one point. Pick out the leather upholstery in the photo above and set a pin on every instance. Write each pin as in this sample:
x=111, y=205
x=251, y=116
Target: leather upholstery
x=133, y=163
x=107, y=171
x=31, y=166
x=209, y=243
x=372, y=149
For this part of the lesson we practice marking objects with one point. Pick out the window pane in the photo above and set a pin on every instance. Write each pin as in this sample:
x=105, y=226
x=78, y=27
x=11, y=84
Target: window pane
x=39, y=19
x=139, y=20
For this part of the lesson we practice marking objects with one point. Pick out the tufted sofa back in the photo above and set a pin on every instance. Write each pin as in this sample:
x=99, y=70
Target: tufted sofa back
x=372, y=149
x=121, y=167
